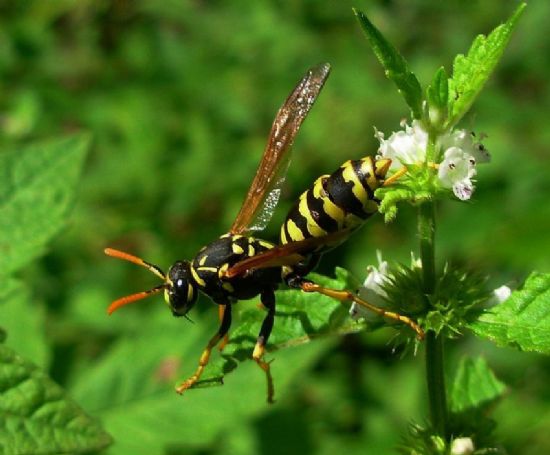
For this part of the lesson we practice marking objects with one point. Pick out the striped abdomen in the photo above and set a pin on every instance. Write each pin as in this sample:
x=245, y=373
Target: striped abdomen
x=342, y=200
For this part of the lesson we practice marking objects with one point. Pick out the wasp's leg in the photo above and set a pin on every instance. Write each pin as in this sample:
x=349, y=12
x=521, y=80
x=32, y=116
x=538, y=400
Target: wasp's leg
x=205, y=356
x=268, y=301
x=345, y=296
x=225, y=340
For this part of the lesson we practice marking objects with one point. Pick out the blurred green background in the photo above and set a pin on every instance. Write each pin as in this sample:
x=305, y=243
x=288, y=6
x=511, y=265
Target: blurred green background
x=179, y=97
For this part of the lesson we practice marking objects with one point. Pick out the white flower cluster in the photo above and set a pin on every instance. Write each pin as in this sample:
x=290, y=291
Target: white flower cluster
x=460, y=152
x=373, y=288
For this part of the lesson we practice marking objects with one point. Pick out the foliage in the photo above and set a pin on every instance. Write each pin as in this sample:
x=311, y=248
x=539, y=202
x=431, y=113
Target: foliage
x=521, y=321
x=37, y=417
x=179, y=99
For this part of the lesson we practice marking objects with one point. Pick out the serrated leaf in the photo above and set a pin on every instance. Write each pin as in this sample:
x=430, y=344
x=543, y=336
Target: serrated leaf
x=36, y=417
x=395, y=66
x=36, y=190
x=523, y=320
x=471, y=72
x=24, y=321
x=474, y=386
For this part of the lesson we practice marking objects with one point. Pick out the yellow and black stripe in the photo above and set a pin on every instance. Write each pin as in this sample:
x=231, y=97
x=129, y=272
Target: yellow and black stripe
x=341, y=200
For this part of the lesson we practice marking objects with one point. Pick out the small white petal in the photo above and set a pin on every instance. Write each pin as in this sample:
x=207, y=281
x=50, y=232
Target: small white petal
x=372, y=290
x=356, y=312
x=462, y=446
x=500, y=295
x=404, y=147
x=463, y=190
x=480, y=153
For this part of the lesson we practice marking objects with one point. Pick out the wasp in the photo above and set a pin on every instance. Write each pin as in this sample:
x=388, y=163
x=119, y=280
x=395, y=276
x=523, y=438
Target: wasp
x=239, y=266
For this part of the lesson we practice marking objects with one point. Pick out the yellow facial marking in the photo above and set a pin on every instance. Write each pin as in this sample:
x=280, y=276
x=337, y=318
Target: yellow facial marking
x=251, y=250
x=190, y=293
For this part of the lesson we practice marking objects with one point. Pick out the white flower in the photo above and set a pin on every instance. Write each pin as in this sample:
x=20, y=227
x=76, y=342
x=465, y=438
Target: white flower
x=456, y=172
x=462, y=446
x=372, y=290
x=459, y=149
x=500, y=295
x=404, y=147
x=465, y=141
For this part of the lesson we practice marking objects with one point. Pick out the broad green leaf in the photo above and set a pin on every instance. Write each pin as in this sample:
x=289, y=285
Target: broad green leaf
x=471, y=72
x=36, y=417
x=23, y=319
x=474, y=386
x=395, y=66
x=300, y=318
x=36, y=191
x=132, y=387
x=521, y=321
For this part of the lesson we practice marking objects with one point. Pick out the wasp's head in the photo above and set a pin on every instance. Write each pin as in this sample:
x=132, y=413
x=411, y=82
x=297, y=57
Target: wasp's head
x=178, y=286
x=180, y=292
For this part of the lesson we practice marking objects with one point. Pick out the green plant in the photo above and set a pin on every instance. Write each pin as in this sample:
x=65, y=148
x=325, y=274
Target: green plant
x=122, y=370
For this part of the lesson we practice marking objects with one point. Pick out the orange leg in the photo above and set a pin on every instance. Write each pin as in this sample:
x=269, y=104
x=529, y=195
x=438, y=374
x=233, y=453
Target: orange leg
x=345, y=296
x=205, y=356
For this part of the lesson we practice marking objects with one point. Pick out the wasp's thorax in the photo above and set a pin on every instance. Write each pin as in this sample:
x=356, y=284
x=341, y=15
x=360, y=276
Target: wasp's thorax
x=180, y=293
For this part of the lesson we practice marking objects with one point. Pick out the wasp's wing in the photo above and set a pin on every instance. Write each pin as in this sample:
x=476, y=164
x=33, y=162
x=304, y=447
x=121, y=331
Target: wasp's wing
x=288, y=254
x=264, y=192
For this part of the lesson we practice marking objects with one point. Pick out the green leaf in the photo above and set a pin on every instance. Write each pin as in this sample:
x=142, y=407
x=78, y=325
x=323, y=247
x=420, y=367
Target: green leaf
x=36, y=191
x=24, y=321
x=474, y=386
x=131, y=388
x=437, y=95
x=36, y=417
x=395, y=66
x=523, y=320
x=471, y=72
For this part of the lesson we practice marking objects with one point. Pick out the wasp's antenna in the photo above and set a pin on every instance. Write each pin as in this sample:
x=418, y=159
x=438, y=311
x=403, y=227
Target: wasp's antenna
x=134, y=259
x=133, y=298
x=189, y=319
x=140, y=295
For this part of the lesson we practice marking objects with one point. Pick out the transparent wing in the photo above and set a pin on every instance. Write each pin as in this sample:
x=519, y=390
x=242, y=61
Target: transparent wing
x=264, y=192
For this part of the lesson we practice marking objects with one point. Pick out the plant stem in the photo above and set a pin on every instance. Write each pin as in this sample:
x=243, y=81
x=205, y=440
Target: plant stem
x=434, y=345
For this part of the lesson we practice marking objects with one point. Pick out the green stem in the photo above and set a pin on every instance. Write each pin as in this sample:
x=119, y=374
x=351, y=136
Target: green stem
x=434, y=344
